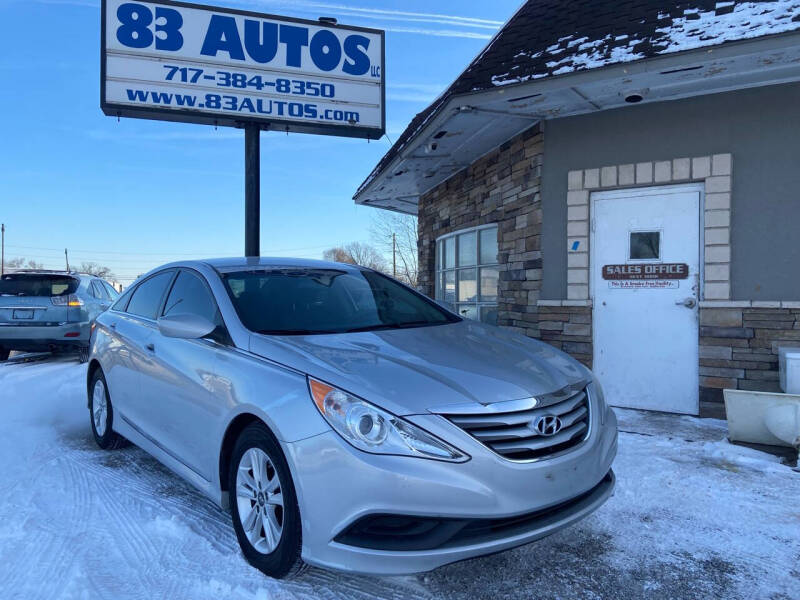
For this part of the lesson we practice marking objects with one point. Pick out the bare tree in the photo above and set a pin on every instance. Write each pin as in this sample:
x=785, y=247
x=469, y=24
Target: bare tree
x=93, y=268
x=404, y=227
x=356, y=253
x=21, y=263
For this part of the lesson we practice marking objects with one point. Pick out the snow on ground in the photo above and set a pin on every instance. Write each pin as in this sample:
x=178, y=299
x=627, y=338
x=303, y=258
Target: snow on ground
x=693, y=517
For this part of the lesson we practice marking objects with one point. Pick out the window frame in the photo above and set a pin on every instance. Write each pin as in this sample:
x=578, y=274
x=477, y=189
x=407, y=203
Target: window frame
x=440, y=270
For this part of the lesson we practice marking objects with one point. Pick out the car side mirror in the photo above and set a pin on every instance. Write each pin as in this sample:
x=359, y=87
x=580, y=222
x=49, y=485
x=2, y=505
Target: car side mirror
x=187, y=327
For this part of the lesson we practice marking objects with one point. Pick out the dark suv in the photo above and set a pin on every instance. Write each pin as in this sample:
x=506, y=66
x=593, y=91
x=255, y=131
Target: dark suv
x=50, y=310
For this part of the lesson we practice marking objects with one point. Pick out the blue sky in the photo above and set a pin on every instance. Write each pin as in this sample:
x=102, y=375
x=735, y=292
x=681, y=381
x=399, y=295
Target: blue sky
x=134, y=194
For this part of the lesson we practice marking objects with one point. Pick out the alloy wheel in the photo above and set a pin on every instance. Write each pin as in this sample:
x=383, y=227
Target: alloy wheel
x=259, y=499
x=99, y=407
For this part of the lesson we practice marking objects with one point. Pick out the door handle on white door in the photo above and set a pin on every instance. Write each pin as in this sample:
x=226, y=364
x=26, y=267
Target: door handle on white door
x=688, y=302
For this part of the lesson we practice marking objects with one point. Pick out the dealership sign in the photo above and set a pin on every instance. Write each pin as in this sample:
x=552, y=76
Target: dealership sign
x=184, y=62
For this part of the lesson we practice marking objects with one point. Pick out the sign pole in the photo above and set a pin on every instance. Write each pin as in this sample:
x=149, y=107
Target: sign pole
x=252, y=190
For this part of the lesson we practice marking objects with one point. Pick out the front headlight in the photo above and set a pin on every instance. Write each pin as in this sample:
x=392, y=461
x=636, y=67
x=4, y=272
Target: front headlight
x=375, y=430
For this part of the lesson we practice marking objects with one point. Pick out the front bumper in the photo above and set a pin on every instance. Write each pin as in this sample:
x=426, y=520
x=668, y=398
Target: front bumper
x=497, y=504
x=33, y=337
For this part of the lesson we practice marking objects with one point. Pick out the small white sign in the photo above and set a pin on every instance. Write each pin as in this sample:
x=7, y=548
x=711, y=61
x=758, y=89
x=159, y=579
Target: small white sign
x=183, y=62
x=644, y=284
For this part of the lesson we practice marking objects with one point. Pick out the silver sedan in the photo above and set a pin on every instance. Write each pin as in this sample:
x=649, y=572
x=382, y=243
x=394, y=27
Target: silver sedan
x=346, y=420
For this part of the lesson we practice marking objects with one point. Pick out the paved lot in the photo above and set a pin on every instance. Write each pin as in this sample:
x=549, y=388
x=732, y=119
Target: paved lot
x=693, y=517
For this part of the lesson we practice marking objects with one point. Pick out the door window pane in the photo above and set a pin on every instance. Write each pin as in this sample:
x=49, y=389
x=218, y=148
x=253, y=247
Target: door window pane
x=449, y=253
x=467, y=285
x=147, y=296
x=467, y=249
x=439, y=255
x=645, y=245
x=112, y=293
x=99, y=291
x=489, y=279
x=488, y=246
x=449, y=286
x=189, y=296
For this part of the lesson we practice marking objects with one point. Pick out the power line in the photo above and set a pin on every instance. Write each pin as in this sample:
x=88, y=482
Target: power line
x=168, y=253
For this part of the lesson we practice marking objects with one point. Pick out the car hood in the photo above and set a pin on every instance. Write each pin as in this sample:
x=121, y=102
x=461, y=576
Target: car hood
x=424, y=369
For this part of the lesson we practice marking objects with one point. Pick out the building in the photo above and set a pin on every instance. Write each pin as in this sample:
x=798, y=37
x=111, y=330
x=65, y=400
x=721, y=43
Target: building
x=621, y=180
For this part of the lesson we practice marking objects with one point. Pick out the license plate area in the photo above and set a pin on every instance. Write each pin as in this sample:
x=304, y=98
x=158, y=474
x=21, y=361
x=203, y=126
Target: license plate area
x=22, y=314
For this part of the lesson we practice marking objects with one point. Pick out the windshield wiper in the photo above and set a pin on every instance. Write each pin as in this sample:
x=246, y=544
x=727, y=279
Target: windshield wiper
x=292, y=332
x=406, y=325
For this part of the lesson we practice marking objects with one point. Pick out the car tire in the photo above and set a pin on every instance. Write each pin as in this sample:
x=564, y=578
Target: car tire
x=4, y=354
x=101, y=414
x=269, y=533
x=83, y=354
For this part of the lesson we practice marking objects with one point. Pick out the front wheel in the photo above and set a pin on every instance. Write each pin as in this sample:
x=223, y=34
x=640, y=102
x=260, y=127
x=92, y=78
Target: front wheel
x=266, y=517
x=101, y=414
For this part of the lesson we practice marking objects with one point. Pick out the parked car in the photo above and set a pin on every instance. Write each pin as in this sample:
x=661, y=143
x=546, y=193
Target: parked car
x=50, y=310
x=345, y=419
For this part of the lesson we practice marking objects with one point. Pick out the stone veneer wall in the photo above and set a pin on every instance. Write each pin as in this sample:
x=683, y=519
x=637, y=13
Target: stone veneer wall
x=568, y=328
x=501, y=187
x=739, y=345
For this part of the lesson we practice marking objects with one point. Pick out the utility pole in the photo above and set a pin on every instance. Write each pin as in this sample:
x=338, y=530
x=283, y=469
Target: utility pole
x=66, y=255
x=2, y=249
x=394, y=255
x=252, y=190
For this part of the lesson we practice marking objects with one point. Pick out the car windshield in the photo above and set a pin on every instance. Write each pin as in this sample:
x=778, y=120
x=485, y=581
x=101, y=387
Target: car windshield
x=307, y=301
x=29, y=284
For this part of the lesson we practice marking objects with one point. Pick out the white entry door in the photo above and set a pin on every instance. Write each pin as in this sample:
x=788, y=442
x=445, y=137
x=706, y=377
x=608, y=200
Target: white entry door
x=645, y=282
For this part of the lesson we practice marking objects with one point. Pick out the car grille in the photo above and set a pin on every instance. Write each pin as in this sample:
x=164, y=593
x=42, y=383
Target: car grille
x=513, y=434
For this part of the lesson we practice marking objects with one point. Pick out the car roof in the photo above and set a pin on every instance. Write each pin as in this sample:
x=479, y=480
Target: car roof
x=240, y=262
x=235, y=263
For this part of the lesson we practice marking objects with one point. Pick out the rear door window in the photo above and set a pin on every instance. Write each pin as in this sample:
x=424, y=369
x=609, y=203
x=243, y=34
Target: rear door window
x=112, y=293
x=99, y=292
x=36, y=284
x=146, y=298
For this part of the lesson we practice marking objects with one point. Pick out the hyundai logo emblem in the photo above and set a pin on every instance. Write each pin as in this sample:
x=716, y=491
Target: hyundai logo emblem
x=548, y=425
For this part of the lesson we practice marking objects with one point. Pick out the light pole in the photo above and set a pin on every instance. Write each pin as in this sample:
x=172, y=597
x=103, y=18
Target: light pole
x=2, y=249
x=394, y=255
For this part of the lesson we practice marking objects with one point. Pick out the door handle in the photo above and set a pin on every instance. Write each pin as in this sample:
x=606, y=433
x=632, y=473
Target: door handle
x=112, y=325
x=688, y=302
x=151, y=347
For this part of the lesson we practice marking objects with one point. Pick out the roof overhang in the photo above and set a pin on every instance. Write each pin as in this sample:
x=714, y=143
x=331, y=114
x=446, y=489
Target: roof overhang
x=469, y=126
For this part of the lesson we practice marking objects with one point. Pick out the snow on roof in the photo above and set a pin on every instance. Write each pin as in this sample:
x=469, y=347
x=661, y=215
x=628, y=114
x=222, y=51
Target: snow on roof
x=674, y=30
x=548, y=38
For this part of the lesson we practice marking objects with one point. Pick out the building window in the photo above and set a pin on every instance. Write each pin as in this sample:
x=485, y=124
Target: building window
x=467, y=274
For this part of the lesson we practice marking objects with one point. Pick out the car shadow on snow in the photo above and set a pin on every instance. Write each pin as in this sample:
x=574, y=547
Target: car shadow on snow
x=583, y=562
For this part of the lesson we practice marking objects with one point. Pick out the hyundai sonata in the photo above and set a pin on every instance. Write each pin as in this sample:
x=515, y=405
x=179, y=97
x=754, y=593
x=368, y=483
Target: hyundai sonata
x=346, y=420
